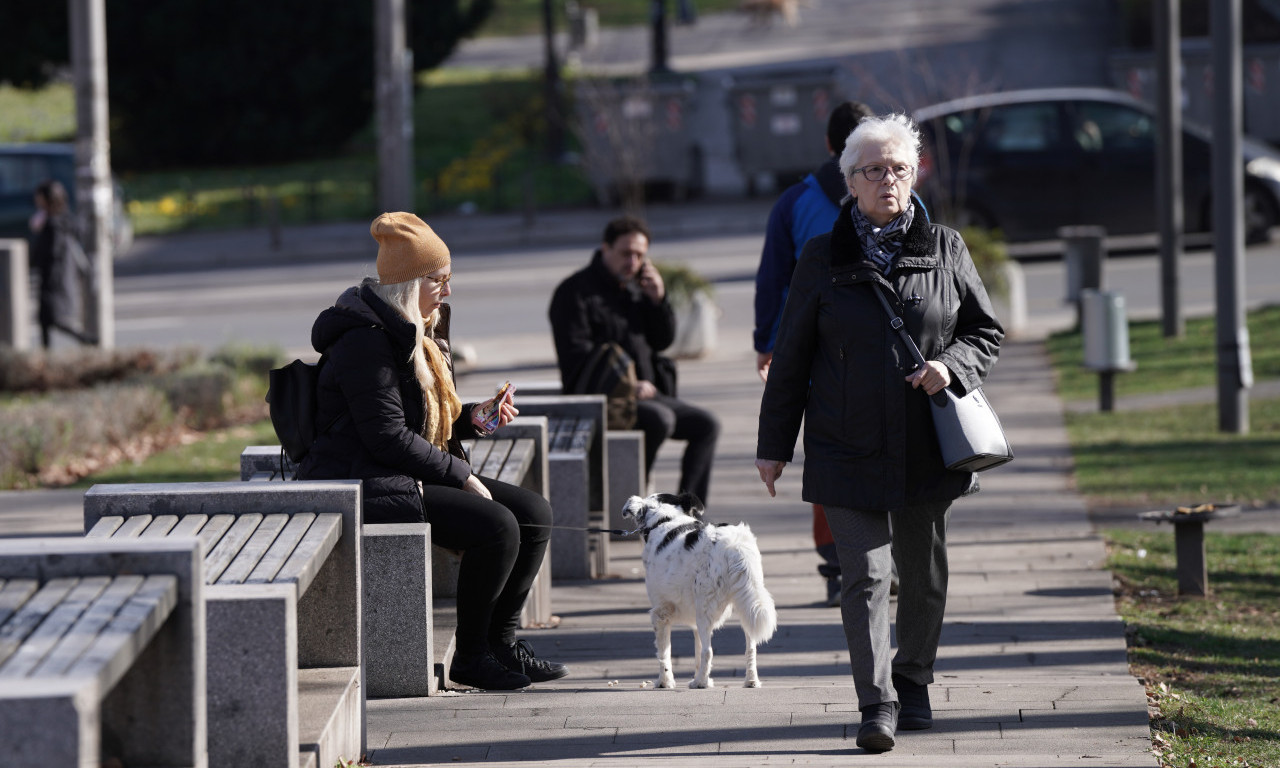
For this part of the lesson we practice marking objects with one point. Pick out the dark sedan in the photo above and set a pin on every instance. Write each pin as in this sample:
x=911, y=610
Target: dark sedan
x=1029, y=162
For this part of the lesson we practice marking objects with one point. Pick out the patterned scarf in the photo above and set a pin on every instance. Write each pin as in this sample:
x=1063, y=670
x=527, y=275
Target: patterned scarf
x=440, y=400
x=882, y=244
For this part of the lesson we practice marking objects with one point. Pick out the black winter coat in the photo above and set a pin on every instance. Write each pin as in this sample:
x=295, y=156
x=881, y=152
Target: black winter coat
x=369, y=395
x=590, y=308
x=869, y=441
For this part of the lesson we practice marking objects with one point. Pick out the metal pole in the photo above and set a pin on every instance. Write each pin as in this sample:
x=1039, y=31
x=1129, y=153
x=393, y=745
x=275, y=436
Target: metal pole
x=1235, y=372
x=658, y=17
x=94, y=192
x=1169, y=163
x=551, y=84
x=395, y=116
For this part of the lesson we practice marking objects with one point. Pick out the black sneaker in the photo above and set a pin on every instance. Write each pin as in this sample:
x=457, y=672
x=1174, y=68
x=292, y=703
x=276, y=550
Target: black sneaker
x=916, y=714
x=879, y=724
x=485, y=671
x=519, y=657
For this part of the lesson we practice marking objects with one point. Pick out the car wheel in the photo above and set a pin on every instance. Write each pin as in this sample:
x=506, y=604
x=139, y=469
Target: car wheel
x=1261, y=213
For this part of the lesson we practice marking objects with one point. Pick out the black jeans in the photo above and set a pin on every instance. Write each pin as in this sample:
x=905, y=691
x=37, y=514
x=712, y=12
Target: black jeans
x=503, y=542
x=662, y=417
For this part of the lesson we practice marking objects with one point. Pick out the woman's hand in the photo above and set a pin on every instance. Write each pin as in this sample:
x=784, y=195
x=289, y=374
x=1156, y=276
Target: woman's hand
x=932, y=377
x=507, y=410
x=770, y=471
x=645, y=390
x=473, y=485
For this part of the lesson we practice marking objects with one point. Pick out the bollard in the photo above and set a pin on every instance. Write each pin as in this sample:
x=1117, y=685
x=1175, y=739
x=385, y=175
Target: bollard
x=15, y=290
x=1083, y=254
x=1105, y=330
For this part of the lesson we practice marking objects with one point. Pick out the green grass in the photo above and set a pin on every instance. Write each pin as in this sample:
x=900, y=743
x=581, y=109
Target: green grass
x=1212, y=665
x=1176, y=456
x=1166, y=364
x=47, y=114
x=212, y=458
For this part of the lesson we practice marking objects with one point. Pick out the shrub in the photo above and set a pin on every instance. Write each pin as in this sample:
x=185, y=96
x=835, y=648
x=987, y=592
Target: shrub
x=84, y=367
x=989, y=253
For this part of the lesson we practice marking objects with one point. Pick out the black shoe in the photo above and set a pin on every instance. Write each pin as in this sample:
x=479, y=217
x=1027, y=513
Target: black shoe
x=879, y=724
x=916, y=714
x=485, y=671
x=519, y=658
x=833, y=591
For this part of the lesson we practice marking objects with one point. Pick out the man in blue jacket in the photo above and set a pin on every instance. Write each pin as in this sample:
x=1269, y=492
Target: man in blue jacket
x=806, y=209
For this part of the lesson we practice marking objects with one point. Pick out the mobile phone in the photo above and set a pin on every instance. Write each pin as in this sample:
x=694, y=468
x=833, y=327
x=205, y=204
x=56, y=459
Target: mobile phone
x=487, y=418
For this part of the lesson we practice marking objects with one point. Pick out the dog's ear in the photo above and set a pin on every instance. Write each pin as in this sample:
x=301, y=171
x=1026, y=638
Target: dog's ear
x=691, y=504
x=634, y=507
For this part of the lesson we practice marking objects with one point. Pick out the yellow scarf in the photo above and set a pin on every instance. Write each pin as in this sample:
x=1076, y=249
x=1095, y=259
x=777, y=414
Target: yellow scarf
x=440, y=400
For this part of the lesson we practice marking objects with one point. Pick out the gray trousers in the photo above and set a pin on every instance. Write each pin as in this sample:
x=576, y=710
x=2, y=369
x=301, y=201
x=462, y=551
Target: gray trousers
x=868, y=552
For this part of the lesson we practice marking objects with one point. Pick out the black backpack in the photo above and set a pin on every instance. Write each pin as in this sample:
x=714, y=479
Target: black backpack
x=291, y=393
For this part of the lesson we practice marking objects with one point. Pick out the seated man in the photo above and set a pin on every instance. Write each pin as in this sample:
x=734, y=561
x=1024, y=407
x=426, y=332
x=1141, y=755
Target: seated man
x=620, y=298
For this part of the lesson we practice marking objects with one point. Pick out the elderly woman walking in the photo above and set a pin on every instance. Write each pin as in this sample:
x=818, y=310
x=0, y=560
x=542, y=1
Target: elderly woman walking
x=870, y=455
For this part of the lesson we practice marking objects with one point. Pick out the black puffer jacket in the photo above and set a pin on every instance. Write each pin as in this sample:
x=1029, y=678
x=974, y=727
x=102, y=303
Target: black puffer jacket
x=369, y=393
x=869, y=440
x=590, y=308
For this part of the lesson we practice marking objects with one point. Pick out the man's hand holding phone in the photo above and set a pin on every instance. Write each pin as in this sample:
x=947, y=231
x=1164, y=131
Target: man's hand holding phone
x=650, y=282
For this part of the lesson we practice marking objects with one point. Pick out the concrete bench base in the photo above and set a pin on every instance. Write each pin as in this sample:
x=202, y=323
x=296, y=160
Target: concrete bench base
x=398, y=626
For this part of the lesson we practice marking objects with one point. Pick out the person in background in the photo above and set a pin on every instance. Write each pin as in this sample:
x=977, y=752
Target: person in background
x=386, y=392
x=620, y=297
x=61, y=264
x=869, y=447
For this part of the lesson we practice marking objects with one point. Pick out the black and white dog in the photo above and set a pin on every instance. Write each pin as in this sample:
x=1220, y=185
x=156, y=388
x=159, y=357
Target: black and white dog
x=696, y=574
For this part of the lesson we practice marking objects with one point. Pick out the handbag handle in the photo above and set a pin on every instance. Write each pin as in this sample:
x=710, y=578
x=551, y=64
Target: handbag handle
x=899, y=325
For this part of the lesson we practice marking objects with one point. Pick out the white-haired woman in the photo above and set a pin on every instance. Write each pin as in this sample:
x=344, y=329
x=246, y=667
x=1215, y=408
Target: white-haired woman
x=870, y=453
x=389, y=415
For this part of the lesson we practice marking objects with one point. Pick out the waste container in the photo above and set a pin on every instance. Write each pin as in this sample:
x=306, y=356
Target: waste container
x=639, y=132
x=1106, y=331
x=779, y=120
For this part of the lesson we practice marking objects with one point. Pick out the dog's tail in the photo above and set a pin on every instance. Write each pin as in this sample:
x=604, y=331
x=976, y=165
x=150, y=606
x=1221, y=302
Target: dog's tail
x=751, y=599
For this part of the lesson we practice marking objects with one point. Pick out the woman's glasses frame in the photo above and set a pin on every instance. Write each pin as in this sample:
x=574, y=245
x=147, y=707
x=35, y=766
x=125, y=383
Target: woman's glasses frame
x=877, y=172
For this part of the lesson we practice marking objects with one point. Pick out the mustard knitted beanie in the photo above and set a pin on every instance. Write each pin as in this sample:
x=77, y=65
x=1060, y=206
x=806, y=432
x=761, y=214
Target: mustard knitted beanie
x=407, y=248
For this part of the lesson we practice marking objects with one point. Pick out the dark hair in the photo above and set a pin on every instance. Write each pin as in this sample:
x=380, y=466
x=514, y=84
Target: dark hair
x=625, y=225
x=54, y=196
x=844, y=118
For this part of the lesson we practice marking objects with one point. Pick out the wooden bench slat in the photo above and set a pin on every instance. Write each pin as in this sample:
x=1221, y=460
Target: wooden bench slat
x=320, y=539
x=133, y=626
x=582, y=434
x=518, y=460
x=214, y=529
x=39, y=642
x=560, y=433
x=13, y=593
x=492, y=466
x=480, y=452
x=86, y=629
x=105, y=527
x=14, y=631
x=133, y=526
x=253, y=550
x=287, y=540
x=160, y=526
x=189, y=525
x=229, y=545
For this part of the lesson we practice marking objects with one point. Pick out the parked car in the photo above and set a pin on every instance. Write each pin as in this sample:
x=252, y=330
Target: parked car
x=24, y=166
x=1028, y=162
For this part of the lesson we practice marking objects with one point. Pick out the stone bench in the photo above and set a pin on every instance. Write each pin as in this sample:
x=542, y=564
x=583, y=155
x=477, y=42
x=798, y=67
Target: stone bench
x=408, y=637
x=282, y=608
x=623, y=455
x=102, y=652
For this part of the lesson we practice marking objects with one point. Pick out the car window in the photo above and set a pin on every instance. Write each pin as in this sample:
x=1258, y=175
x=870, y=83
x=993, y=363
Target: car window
x=22, y=173
x=1021, y=128
x=1100, y=127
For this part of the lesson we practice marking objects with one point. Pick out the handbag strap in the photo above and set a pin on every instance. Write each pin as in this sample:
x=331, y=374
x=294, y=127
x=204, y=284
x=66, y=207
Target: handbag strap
x=899, y=325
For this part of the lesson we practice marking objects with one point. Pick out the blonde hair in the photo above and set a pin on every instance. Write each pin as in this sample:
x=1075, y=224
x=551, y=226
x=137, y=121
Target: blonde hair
x=893, y=132
x=403, y=298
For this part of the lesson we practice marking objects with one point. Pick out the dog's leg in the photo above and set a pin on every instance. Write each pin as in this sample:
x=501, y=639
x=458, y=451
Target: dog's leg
x=662, y=642
x=702, y=649
x=752, y=678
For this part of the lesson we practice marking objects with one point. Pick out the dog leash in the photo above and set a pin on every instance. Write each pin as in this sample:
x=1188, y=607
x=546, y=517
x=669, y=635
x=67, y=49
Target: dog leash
x=590, y=529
